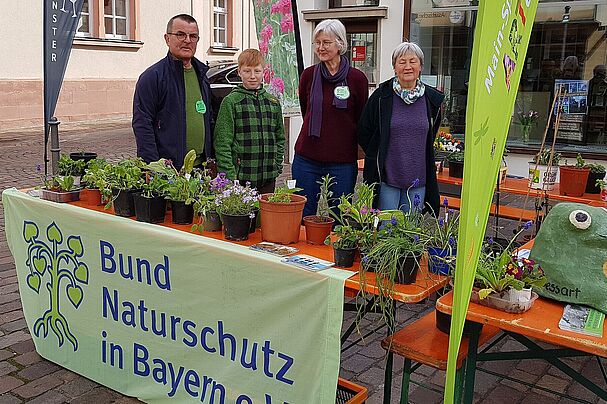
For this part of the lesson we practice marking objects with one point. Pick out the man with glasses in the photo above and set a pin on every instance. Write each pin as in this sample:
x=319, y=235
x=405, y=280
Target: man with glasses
x=171, y=105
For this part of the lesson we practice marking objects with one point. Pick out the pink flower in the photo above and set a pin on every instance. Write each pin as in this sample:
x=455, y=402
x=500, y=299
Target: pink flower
x=278, y=85
x=281, y=7
x=286, y=24
x=268, y=74
x=263, y=47
x=266, y=33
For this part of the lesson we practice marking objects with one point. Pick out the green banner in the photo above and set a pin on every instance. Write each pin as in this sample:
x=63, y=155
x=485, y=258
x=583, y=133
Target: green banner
x=162, y=314
x=501, y=37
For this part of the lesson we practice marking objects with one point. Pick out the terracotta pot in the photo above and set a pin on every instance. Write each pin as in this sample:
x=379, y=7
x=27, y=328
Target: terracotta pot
x=91, y=197
x=573, y=180
x=281, y=222
x=317, y=228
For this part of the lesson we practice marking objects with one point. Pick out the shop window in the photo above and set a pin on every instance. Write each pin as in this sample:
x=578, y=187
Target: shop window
x=220, y=23
x=568, y=52
x=362, y=54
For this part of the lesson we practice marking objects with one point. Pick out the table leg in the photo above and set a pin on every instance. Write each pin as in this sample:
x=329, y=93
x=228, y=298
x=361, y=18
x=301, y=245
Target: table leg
x=404, y=388
x=470, y=365
x=459, y=383
x=388, y=378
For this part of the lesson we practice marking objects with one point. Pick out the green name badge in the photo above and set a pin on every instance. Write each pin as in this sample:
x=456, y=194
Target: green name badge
x=342, y=92
x=200, y=107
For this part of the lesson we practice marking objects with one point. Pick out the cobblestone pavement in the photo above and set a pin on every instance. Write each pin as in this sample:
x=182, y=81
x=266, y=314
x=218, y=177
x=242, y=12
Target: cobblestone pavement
x=25, y=377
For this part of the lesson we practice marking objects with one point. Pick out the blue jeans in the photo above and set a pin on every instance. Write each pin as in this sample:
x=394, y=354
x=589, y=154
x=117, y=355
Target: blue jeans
x=307, y=172
x=396, y=198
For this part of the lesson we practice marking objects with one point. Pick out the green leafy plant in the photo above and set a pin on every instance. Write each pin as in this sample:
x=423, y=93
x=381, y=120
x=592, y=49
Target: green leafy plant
x=96, y=175
x=442, y=229
x=323, y=208
x=127, y=174
x=357, y=207
x=347, y=237
x=543, y=158
x=67, y=166
x=282, y=194
x=61, y=183
x=155, y=185
x=601, y=184
x=457, y=157
x=596, y=168
x=579, y=161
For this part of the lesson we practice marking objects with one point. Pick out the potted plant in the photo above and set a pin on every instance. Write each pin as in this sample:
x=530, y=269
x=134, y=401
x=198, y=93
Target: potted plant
x=602, y=184
x=60, y=189
x=442, y=233
x=543, y=170
x=206, y=211
x=124, y=179
x=318, y=226
x=444, y=144
x=281, y=214
x=345, y=245
x=75, y=168
x=150, y=203
x=503, y=281
x=574, y=177
x=95, y=182
x=235, y=205
x=456, y=164
x=356, y=209
x=597, y=172
x=183, y=186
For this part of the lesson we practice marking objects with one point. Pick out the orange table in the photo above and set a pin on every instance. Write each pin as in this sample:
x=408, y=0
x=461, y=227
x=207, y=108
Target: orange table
x=539, y=323
x=520, y=186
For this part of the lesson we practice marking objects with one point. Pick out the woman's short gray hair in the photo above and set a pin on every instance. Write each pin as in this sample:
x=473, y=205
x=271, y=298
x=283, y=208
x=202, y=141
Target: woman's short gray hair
x=407, y=47
x=335, y=28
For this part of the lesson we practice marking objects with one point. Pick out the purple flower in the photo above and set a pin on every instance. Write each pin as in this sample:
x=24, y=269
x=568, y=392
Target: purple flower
x=415, y=183
x=364, y=210
x=416, y=238
x=451, y=211
x=446, y=202
x=451, y=241
x=416, y=200
x=393, y=221
x=441, y=222
x=528, y=225
x=490, y=241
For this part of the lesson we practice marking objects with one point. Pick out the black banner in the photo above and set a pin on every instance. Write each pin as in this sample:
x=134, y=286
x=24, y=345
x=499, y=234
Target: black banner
x=61, y=19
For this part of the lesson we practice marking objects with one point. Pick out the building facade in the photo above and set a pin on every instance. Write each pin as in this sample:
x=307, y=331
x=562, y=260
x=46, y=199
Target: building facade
x=116, y=41
x=568, y=51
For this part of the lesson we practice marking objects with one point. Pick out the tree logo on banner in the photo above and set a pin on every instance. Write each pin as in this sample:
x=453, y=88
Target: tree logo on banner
x=48, y=258
x=74, y=14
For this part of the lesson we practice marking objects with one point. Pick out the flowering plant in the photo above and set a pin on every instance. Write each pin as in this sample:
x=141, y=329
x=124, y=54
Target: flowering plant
x=500, y=269
x=442, y=229
x=527, y=118
x=347, y=237
x=276, y=34
x=236, y=199
x=446, y=142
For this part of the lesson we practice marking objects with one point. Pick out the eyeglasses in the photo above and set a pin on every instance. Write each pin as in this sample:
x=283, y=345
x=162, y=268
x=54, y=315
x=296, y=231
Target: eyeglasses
x=182, y=36
x=323, y=44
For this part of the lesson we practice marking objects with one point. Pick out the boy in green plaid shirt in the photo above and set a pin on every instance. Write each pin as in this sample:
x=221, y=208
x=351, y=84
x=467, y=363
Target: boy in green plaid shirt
x=249, y=133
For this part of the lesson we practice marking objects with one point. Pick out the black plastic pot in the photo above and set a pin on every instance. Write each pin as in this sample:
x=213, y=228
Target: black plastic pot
x=443, y=323
x=591, y=186
x=236, y=227
x=344, y=258
x=149, y=210
x=123, y=202
x=182, y=213
x=212, y=222
x=456, y=169
x=406, y=272
x=83, y=156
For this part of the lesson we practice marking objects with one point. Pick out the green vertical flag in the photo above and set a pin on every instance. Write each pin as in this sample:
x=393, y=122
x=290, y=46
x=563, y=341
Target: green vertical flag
x=501, y=37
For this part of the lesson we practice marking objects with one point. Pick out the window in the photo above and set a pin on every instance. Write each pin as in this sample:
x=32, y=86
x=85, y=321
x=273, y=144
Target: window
x=107, y=19
x=350, y=3
x=84, y=26
x=220, y=23
x=115, y=18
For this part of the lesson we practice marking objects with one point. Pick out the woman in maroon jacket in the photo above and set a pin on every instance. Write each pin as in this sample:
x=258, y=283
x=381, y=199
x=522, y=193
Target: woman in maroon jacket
x=332, y=95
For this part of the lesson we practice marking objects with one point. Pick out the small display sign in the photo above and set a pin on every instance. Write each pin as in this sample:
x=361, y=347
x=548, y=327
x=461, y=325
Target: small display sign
x=359, y=53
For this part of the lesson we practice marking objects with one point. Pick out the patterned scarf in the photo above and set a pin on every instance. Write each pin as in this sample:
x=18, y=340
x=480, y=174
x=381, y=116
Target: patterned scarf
x=408, y=96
